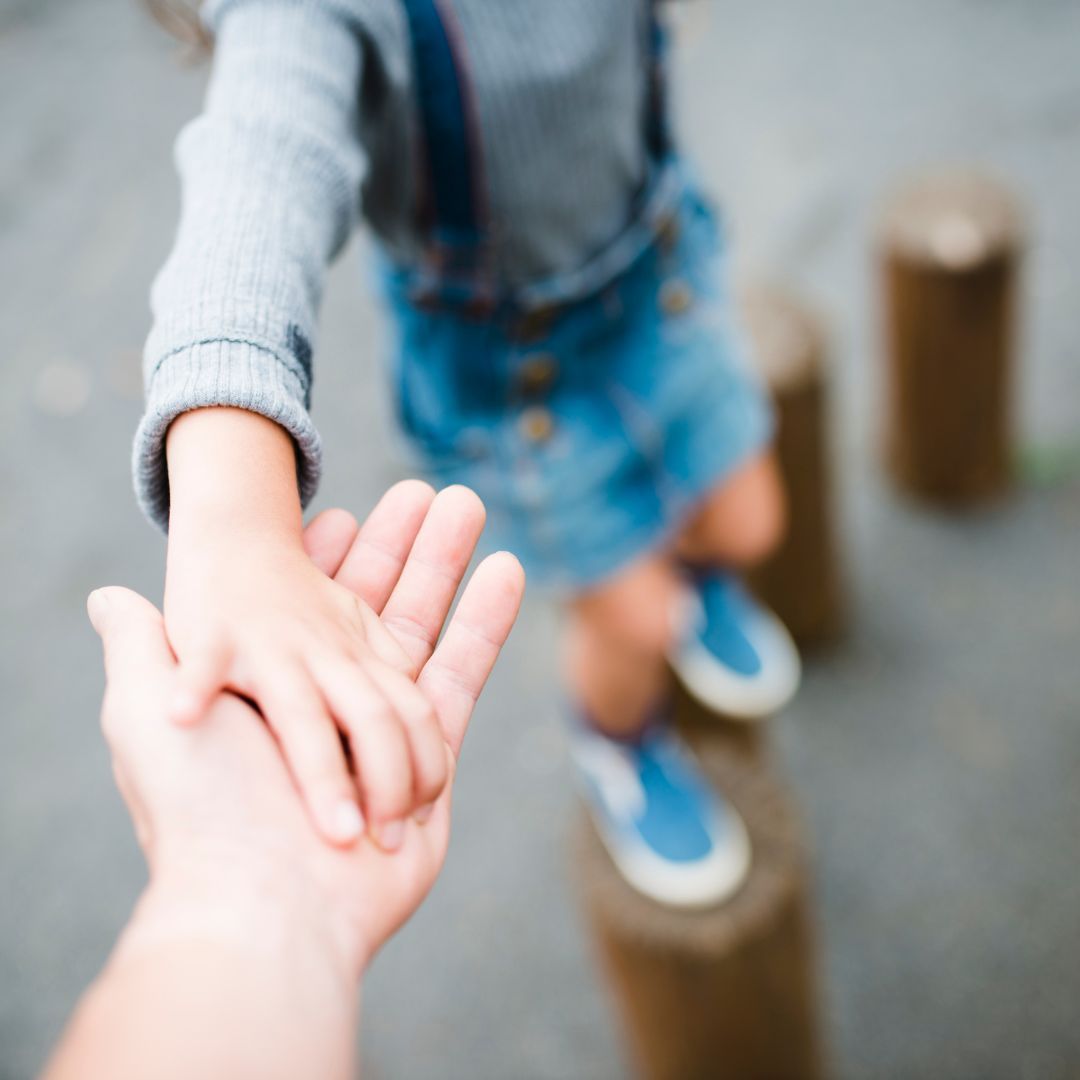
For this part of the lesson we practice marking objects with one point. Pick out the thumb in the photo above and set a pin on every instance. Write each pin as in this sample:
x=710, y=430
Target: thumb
x=131, y=629
x=328, y=538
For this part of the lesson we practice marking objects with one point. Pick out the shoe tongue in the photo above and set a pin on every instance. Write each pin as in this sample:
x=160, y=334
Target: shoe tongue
x=725, y=591
x=699, y=574
x=725, y=585
x=709, y=594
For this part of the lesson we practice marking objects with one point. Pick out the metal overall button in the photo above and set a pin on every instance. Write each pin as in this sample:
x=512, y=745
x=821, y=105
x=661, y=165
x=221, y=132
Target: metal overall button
x=537, y=374
x=676, y=296
x=536, y=424
x=534, y=325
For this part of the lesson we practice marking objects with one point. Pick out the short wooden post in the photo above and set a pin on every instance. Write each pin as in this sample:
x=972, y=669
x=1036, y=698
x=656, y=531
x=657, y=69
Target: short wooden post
x=801, y=582
x=729, y=992
x=951, y=248
x=701, y=727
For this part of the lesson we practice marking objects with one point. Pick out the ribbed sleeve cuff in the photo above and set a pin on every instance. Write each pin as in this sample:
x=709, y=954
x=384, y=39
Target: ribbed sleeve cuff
x=236, y=373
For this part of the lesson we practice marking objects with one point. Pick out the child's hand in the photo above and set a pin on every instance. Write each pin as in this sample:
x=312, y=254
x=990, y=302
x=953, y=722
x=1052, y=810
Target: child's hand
x=213, y=809
x=247, y=609
x=261, y=619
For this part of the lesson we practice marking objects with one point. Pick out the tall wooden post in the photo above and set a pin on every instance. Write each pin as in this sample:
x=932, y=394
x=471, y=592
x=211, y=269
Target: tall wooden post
x=951, y=248
x=729, y=992
x=802, y=580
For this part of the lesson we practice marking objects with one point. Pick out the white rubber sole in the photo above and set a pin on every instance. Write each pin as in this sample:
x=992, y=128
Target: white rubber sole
x=603, y=774
x=743, y=697
x=706, y=883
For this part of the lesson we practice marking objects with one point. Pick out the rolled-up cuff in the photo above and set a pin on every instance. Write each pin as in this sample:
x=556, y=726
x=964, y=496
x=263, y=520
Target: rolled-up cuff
x=236, y=373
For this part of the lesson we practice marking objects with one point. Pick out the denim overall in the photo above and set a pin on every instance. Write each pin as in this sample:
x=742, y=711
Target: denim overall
x=590, y=411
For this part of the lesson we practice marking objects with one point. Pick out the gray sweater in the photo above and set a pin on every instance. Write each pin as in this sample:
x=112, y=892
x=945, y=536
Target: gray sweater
x=310, y=122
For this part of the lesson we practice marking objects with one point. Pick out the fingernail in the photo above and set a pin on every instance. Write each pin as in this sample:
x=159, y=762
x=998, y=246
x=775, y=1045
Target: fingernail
x=424, y=813
x=347, y=823
x=390, y=835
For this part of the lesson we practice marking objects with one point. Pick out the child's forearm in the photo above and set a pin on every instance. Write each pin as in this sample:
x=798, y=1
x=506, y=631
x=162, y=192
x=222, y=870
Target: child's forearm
x=231, y=473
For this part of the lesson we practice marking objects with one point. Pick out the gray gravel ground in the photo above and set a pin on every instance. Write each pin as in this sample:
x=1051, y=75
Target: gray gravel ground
x=937, y=751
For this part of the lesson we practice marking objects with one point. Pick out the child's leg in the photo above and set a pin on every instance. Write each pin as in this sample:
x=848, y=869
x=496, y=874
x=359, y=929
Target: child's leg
x=741, y=522
x=738, y=659
x=670, y=833
x=619, y=634
x=616, y=641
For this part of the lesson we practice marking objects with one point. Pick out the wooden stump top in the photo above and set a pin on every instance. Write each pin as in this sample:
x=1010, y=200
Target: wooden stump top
x=787, y=338
x=776, y=874
x=952, y=221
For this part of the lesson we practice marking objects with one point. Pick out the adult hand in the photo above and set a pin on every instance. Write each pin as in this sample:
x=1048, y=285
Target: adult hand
x=215, y=809
x=243, y=955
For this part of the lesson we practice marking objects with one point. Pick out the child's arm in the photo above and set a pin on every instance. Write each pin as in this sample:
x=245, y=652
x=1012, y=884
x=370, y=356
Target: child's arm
x=271, y=177
x=246, y=608
x=270, y=187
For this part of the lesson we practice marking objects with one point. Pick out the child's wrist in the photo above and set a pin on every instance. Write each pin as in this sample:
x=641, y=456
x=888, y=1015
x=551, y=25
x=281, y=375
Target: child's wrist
x=232, y=471
x=210, y=525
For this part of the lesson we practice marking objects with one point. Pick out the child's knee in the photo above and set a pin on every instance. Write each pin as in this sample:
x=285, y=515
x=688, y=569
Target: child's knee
x=743, y=522
x=756, y=534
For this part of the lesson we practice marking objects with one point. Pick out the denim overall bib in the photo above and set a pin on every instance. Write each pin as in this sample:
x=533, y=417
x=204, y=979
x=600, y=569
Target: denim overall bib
x=591, y=411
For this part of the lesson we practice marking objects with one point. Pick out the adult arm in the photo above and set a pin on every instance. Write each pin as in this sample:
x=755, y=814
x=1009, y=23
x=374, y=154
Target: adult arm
x=243, y=956
x=270, y=185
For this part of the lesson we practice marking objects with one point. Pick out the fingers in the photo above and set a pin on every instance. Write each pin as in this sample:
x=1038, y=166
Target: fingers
x=458, y=669
x=427, y=750
x=382, y=760
x=132, y=633
x=328, y=537
x=297, y=715
x=371, y=568
x=417, y=608
x=202, y=675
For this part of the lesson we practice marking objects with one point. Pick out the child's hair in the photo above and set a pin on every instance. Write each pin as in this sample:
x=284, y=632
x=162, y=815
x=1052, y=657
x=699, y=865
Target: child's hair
x=181, y=19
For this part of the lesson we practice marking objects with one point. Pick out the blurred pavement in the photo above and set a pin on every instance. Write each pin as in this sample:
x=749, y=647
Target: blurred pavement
x=937, y=751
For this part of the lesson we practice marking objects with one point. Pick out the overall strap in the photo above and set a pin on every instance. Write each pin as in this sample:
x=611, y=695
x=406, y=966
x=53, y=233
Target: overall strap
x=452, y=210
x=657, y=124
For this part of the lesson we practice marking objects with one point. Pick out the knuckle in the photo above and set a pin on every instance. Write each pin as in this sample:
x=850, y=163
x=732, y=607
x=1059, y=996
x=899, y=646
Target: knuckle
x=391, y=791
x=309, y=741
x=328, y=772
x=377, y=718
x=418, y=712
x=432, y=784
x=293, y=721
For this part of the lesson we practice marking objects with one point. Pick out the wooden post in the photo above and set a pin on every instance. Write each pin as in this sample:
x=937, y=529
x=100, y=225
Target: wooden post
x=701, y=727
x=729, y=992
x=801, y=582
x=951, y=247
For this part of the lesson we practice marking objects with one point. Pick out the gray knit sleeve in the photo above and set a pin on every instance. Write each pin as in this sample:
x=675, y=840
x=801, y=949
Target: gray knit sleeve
x=270, y=181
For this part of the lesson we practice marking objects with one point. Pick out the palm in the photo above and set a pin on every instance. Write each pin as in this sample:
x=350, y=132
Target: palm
x=363, y=889
x=405, y=563
x=223, y=790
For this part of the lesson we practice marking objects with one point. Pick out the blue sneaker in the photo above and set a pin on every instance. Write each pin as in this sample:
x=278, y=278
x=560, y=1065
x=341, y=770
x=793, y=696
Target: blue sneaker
x=735, y=656
x=672, y=837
